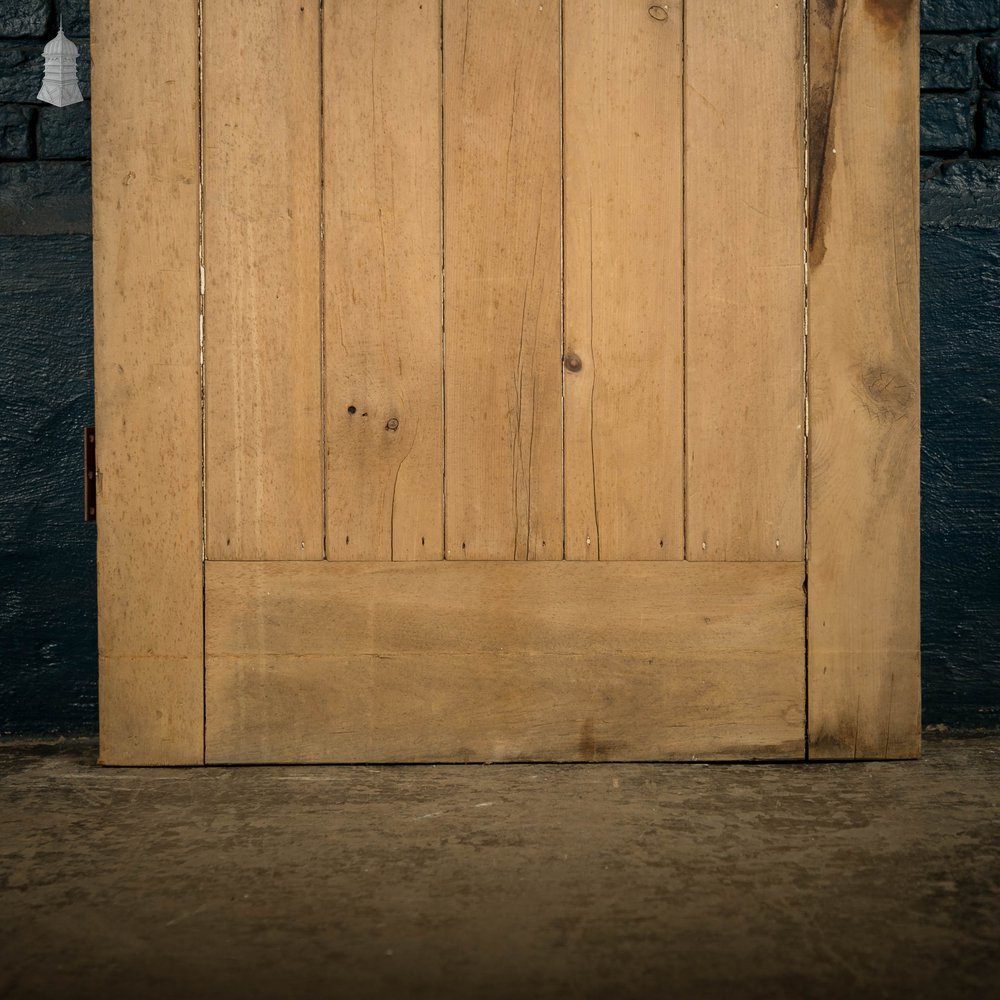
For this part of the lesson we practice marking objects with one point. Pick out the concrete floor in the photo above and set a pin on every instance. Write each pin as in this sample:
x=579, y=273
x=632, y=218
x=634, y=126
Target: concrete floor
x=706, y=881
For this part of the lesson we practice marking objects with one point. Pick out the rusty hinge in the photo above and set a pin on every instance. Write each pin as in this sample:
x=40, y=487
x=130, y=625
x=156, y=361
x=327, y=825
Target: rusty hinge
x=89, y=475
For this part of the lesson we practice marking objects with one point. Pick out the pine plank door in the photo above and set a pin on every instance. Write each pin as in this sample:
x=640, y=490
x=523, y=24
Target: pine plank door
x=487, y=380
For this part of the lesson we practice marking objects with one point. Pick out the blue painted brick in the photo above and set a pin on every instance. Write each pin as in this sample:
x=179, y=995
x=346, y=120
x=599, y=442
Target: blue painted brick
x=64, y=133
x=959, y=15
x=946, y=123
x=76, y=18
x=960, y=574
x=21, y=69
x=990, y=115
x=48, y=647
x=963, y=192
x=16, y=126
x=40, y=198
x=25, y=18
x=989, y=62
x=947, y=62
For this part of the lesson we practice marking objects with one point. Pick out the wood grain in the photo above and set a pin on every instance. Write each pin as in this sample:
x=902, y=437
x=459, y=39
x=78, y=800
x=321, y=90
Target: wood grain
x=147, y=381
x=263, y=425
x=382, y=178
x=864, y=382
x=744, y=224
x=504, y=661
x=503, y=373
x=624, y=381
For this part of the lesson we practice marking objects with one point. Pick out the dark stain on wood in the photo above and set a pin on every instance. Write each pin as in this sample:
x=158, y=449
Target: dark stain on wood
x=849, y=738
x=824, y=10
x=825, y=32
x=837, y=744
x=592, y=749
x=826, y=29
x=890, y=15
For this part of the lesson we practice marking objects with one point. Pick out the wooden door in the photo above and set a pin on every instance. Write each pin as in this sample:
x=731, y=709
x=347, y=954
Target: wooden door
x=506, y=380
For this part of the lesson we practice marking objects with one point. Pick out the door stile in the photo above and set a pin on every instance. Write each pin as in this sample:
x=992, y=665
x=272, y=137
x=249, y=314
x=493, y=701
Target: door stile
x=147, y=381
x=864, y=381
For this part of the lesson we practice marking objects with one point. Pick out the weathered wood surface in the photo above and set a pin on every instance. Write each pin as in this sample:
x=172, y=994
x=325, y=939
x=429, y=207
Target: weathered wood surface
x=503, y=336
x=147, y=381
x=382, y=184
x=480, y=658
x=263, y=423
x=624, y=371
x=745, y=280
x=504, y=661
x=864, y=381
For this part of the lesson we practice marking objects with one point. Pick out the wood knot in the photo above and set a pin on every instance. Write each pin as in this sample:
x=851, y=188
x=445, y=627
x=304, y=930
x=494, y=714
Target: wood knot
x=885, y=394
x=392, y=424
x=573, y=363
x=658, y=12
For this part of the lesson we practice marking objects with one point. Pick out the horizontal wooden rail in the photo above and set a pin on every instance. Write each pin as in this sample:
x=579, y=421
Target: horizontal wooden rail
x=467, y=661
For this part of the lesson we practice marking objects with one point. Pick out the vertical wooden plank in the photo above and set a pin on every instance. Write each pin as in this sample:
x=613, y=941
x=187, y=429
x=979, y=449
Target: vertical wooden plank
x=502, y=186
x=263, y=425
x=382, y=178
x=147, y=381
x=624, y=381
x=744, y=225
x=864, y=381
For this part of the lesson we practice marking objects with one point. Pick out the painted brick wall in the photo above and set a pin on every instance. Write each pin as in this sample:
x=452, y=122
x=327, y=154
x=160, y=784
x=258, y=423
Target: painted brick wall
x=48, y=635
x=48, y=672
x=960, y=330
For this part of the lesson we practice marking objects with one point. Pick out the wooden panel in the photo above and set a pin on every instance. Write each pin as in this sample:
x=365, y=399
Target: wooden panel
x=147, y=381
x=624, y=290
x=864, y=382
x=503, y=372
x=500, y=661
x=744, y=206
x=382, y=177
x=263, y=425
